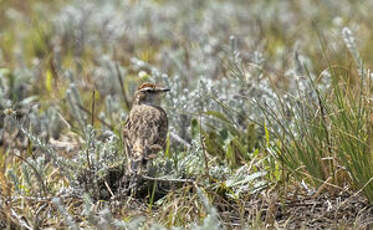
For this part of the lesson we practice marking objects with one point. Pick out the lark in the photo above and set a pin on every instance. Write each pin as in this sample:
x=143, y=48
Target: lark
x=146, y=127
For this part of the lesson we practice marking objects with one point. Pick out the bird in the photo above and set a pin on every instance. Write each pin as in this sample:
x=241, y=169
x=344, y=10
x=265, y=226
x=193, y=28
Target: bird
x=146, y=127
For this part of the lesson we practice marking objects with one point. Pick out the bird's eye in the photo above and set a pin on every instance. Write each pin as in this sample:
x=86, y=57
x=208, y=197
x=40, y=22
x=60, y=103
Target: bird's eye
x=147, y=90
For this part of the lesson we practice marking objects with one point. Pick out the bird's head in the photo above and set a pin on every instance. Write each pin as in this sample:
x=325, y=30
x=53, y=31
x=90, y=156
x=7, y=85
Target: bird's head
x=148, y=93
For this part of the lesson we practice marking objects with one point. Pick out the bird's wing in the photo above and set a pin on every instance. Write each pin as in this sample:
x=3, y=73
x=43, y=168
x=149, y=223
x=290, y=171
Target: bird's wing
x=146, y=134
x=147, y=126
x=156, y=127
x=163, y=128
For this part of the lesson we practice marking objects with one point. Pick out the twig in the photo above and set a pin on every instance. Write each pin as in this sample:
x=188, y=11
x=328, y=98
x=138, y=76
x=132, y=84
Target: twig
x=122, y=87
x=44, y=188
x=36, y=218
x=92, y=123
x=119, y=76
x=93, y=107
x=200, y=137
x=357, y=193
x=43, y=199
x=163, y=179
x=68, y=125
x=323, y=113
x=319, y=180
x=109, y=189
x=180, y=140
x=20, y=220
x=321, y=188
x=205, y=155
x=96, y=117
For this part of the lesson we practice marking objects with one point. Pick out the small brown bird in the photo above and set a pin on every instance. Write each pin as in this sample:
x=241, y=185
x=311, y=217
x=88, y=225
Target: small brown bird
x=146, y=127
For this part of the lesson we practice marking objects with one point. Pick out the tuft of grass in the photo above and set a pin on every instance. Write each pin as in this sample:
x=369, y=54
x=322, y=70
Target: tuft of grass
x=325, y=136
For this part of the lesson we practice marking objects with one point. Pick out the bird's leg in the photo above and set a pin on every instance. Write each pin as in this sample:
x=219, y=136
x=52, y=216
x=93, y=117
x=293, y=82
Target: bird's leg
x=153, y=149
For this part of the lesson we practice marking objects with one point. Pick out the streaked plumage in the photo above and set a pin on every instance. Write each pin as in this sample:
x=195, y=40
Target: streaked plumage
x=146, y=127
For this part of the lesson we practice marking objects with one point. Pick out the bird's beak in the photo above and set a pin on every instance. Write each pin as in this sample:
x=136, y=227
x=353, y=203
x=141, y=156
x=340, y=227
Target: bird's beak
x=163, y=89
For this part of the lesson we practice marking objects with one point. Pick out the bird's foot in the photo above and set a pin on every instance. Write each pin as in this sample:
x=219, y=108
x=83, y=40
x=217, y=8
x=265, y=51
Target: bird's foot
x=155, y=148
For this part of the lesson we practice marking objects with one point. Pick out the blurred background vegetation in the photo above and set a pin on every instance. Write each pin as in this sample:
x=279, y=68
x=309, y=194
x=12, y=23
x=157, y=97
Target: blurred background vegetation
x=267, y=98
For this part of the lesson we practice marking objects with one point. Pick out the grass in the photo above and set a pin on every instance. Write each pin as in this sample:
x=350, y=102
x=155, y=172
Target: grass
x=270, y=114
